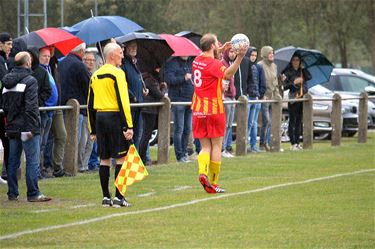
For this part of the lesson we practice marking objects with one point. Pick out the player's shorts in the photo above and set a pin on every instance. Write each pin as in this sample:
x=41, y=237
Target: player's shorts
x=109, y=135
x=208, y=126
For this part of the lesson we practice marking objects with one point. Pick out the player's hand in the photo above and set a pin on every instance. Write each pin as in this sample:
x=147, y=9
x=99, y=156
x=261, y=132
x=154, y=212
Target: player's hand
x=188, y=76
x=128, y=134
x=242, y=51
x=225, y=47
x=145, y=91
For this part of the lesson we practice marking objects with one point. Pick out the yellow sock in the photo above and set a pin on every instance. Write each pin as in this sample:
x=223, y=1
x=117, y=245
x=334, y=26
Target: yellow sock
x=203, y=162
x=214, y=172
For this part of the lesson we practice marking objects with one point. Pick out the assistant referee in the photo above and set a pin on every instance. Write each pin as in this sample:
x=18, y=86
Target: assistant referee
x=110, y=120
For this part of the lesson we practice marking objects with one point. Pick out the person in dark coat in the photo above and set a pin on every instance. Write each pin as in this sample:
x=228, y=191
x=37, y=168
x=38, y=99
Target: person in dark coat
x=136, y=88
x=6, y=44
x=178, y=77
x=44, y=93
x=295, y=82
x=74, y=79
x=255, y=89
x=149, y=114
x=20, y=102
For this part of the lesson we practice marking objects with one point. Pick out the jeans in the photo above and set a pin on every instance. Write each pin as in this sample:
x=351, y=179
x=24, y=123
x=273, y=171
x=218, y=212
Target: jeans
x=253, y=123
x=94, y=160
x=46, y=123
x=229, y=117
x=265, y=131
x=182, y=116
x=85, y=144
x=150, y=120
x=32, y=152
x=137, y=126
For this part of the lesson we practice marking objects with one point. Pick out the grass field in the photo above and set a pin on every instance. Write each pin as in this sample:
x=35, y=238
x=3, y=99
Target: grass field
x=319, y=198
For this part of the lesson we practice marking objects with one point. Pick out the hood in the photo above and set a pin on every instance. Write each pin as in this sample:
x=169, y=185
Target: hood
x=15, y=76
x=248, y=53
x=226, y=59
x=265, y=51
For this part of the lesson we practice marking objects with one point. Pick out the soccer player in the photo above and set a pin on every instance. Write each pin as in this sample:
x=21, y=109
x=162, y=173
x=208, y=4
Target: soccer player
x=110, y=120
x=208, y=107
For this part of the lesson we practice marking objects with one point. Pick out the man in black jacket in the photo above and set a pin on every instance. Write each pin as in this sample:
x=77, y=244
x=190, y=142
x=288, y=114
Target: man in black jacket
x=20, y=102
x=6, y=44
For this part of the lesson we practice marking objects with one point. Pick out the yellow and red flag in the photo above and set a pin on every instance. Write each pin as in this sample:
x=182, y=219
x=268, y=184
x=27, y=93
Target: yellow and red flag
x=132, y=170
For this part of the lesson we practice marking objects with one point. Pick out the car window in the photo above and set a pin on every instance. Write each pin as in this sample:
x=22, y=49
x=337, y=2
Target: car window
x=331, y=83
x=353, y=84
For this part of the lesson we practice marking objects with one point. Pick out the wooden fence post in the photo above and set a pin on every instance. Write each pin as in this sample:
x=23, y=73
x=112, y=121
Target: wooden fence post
x=242, y=111
x=336, y=120
x=71, y=146
x=164, y=130
x=308, y=133
x=276, y=115
x=362, y=118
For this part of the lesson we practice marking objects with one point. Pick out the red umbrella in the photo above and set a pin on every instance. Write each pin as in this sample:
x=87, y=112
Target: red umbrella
x=181, y=45
x=58, y=38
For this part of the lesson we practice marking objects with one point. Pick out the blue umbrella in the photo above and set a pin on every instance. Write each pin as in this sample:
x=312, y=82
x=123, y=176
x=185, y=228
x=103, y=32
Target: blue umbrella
x=313, y=61
x=100, y=28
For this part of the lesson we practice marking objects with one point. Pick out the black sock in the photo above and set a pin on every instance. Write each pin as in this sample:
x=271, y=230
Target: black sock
x=117, y=170
x=104, y=180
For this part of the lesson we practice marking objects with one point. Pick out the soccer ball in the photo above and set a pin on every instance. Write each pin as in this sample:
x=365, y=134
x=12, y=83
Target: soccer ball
x=238, y=41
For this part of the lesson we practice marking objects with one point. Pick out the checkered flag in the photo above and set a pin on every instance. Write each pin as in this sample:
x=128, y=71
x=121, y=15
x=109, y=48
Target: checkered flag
x=132, y=170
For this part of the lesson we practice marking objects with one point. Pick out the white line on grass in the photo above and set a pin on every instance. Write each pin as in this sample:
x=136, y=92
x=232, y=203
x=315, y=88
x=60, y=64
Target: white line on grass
x=221, y=196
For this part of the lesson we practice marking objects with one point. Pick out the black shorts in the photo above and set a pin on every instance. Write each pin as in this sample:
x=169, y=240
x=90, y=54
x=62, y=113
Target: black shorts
x=109, y=135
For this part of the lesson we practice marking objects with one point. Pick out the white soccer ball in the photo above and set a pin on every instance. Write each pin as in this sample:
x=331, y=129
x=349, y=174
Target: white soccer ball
x=239, y=41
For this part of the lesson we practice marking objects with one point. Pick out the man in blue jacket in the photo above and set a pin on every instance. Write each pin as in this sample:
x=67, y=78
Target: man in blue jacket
x=179, y=79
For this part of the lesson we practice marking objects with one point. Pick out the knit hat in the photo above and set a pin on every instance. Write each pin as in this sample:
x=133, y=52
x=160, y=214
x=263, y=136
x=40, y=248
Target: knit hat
x=265, y=51
x=4, y=37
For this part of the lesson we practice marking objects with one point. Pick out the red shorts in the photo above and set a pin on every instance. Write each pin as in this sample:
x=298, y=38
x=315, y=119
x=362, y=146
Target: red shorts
x=208, y=126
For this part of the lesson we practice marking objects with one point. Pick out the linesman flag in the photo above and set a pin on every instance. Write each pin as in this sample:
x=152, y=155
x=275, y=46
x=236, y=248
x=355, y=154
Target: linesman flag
x=132, y=170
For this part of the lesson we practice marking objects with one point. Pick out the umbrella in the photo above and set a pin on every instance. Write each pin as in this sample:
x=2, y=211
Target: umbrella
x=152, y=49
x=100, y=28
x=194, y=37
x=313, y=61
x=181, y=45
x=58, y=38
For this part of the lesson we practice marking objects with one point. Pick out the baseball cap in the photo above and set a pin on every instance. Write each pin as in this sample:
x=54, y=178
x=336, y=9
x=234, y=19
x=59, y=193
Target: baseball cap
x=4, y=37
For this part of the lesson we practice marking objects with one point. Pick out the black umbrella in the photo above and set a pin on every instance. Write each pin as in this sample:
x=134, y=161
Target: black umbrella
x=313, y=61
x=194, y=37
x=152, y=49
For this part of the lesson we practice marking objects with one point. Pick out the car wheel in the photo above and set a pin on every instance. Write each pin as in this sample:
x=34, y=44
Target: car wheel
x=349, y=133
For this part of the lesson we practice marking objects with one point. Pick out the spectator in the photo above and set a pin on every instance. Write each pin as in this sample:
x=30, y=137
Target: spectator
x=20, y=101
x=90, y=156
x=229, y=94
x=110, y=119
x=149, y=114
x=256, y=90
x=295, y=82
x=136, y=88
x=5, y=49
x=74, y=81
x=272, y=90
x=44, y=93
x=179, y=79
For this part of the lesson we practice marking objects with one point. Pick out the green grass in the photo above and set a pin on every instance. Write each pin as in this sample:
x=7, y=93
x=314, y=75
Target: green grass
x=332, y=213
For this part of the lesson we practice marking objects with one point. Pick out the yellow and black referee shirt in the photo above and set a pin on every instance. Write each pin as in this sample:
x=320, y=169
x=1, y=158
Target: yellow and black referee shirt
x=108, y=92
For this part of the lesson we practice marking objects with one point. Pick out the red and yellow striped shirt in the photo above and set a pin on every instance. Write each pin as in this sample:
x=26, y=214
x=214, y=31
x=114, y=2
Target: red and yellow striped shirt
x=208, y=73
